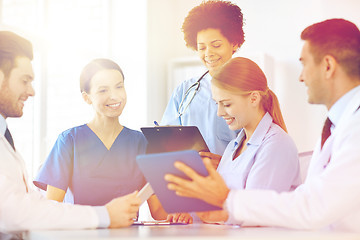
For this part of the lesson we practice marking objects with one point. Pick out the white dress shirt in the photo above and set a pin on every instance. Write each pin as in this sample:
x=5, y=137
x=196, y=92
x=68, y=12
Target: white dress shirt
x=330, y=196
x=22, y=208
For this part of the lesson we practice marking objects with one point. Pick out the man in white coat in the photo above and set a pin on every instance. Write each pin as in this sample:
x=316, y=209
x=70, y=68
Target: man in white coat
x=21, y=208
x=330, y=195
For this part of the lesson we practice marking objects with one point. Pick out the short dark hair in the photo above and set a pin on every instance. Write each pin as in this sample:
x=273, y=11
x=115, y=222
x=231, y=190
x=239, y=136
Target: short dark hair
x=338, y=38
x=92, y=68
x=11, y=47
x=222, y=15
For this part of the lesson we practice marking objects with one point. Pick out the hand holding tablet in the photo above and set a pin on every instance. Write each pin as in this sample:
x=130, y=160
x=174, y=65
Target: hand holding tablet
x=155, y=166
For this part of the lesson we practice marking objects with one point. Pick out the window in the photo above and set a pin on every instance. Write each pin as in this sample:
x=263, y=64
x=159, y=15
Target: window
x=66, y=35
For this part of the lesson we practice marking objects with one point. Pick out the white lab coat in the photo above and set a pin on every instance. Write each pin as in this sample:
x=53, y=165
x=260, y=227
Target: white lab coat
x=22, y=210
x=329, y=198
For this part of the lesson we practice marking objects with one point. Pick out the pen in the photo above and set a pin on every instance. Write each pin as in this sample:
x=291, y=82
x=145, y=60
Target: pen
x=156, y=123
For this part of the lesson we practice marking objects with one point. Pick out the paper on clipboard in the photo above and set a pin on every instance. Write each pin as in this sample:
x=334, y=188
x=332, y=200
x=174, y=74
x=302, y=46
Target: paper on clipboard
x=145, y=193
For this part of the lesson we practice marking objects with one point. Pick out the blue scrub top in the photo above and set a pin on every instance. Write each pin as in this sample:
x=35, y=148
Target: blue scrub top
x=202, y=112
x=270, y=160
x=94, y=175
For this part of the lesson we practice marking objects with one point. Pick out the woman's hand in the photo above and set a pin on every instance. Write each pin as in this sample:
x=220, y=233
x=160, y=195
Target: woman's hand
x=211, y=189
x=215, y=159
x=180, y=218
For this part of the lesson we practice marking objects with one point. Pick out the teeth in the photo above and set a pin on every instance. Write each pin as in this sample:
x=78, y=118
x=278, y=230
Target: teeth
x=212, y=61
x=228, y=120
x=114, y=105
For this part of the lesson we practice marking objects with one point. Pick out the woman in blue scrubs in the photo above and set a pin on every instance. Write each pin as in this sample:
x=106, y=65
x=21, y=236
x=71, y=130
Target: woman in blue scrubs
x=96, y=161
x=214, y=30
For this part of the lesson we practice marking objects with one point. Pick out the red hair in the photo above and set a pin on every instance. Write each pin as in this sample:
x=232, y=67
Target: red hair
x=241, y=75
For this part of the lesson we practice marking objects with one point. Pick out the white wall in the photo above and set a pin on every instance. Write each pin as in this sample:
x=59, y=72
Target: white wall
x=62, y=47
x=272, y=29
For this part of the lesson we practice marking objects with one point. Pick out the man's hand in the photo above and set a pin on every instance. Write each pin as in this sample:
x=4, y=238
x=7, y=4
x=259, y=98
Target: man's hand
x=213, y=216
x=123, y=210
x=211, y=189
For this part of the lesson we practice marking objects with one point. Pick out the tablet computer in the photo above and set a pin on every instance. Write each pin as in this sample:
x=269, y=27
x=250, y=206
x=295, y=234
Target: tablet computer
x=173, y=138
x=155, y=166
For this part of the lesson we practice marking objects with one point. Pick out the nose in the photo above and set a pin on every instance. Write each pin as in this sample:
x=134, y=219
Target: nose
x=220, y=110
x=114, y=93
x=31, y=91
x=208, y=52
x=301, y=79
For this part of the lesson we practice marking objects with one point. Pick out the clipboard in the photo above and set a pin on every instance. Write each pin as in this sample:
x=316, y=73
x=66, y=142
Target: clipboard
x=155, y=166
x=174, y=138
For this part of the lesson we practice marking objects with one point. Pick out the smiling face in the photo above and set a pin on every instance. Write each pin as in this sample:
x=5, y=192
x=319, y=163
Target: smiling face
x=107, y=93
x=16, y=89
x=237, y=110
x=214, y=49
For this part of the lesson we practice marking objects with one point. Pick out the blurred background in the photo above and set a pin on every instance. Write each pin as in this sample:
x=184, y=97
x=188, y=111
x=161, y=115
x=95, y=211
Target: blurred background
x=144, y=37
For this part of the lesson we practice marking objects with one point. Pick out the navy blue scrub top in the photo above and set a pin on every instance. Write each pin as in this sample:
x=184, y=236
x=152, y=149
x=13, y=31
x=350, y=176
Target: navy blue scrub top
x=94, y=175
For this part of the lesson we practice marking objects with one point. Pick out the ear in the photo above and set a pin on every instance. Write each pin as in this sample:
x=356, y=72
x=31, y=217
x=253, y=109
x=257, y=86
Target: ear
x=254, y=98
x=235, y=47
x=330, y=65
x=2, y=78
x=86, y=98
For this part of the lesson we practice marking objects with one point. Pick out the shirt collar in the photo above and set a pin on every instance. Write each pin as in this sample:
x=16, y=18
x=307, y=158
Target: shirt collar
x=338, y=108
x=259, y=133
x=3, y=125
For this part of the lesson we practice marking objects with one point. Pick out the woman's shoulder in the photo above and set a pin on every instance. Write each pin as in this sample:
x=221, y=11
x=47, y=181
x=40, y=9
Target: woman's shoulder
x=277, y=141
x=135, y=134
x=276, y=133
x=74, y=131
x=188, y=83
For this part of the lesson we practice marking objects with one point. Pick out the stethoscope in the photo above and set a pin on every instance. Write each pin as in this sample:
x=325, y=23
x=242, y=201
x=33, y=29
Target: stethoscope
x=194, y=87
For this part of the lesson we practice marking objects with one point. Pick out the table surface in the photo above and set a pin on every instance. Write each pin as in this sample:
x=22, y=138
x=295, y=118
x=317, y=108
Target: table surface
x=192, y=231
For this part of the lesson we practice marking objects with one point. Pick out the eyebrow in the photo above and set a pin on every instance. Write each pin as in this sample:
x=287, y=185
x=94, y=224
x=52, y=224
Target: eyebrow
x=224, y=100
x=217, y=40
x=118, y=83
x=28, y=76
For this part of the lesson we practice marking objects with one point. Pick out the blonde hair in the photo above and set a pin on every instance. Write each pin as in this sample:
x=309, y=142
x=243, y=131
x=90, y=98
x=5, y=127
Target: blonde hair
x=242, y=76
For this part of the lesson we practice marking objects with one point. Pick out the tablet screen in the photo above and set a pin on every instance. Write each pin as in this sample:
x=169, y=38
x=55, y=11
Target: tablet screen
x=155, y=166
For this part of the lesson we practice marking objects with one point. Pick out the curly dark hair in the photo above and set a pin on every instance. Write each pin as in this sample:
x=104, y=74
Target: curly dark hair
x=217, y=14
